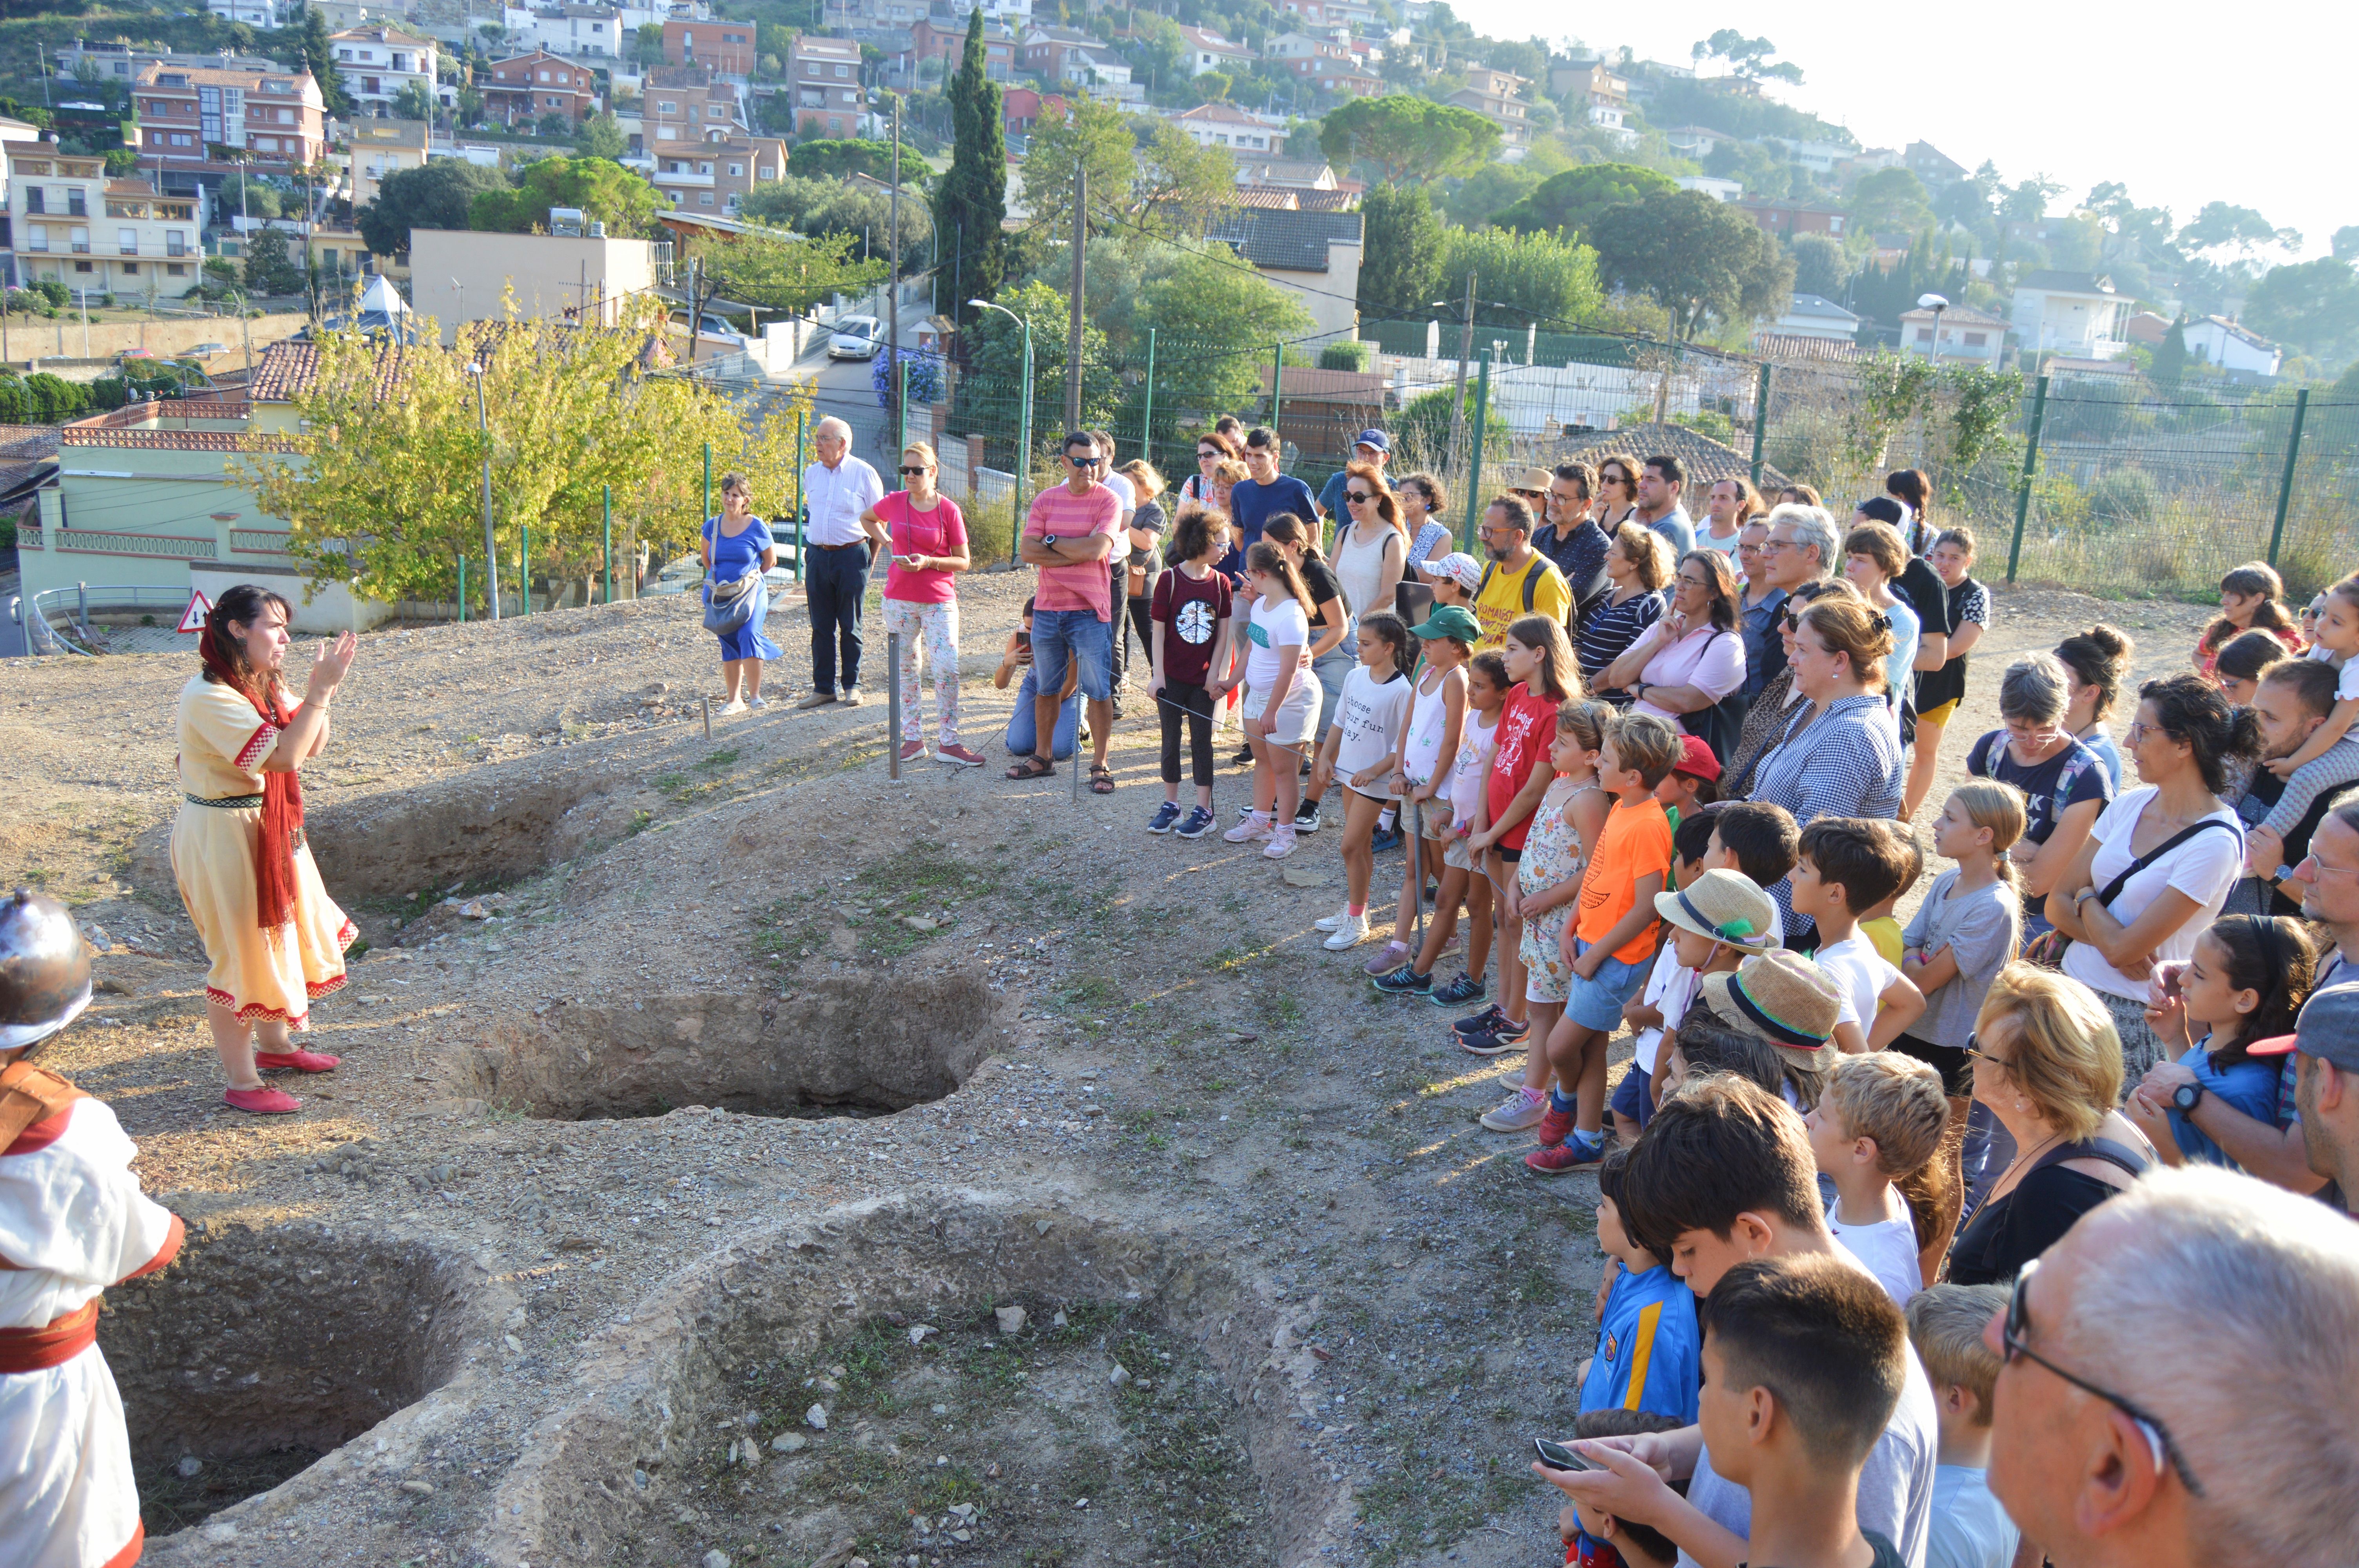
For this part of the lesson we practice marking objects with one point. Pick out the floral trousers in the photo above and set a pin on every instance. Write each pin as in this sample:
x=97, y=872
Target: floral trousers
x=934, y=628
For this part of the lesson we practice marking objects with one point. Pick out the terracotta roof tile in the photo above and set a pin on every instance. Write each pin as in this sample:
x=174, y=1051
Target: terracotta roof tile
x=287, y=369
x=1705, y=459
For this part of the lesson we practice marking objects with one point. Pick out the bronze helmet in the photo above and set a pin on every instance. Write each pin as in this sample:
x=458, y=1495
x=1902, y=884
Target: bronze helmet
x=44, y=970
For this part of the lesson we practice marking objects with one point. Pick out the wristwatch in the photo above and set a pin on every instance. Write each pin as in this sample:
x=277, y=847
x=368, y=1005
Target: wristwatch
x=1638, y=691
x=2282, y=875
x=2185, y=1098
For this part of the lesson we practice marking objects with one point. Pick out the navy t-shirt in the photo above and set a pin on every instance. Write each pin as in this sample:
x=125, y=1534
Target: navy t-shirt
x=2040, y=784
x=1252, y=504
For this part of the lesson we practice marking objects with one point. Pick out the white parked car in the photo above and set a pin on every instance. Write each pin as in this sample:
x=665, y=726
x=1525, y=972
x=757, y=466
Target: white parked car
x=205, y=350
x=686, y=575
x=855, y=338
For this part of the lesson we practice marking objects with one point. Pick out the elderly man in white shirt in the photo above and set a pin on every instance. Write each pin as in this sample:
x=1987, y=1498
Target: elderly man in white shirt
x=836, y=490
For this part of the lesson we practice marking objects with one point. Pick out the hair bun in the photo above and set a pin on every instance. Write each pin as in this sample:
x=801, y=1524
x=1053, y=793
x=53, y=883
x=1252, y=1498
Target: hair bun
x=1880, y=621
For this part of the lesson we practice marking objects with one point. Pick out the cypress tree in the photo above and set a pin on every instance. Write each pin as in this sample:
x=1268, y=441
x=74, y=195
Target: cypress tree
x=2171, y=354
x=320, y=58
x=970, y=203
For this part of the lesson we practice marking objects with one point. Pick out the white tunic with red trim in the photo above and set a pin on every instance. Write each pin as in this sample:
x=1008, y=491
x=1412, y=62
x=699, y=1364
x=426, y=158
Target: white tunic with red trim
x=72, y=1222
x=256, y=973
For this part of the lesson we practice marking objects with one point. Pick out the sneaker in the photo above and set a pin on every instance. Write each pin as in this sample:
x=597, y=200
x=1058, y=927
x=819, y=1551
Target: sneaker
x=1466, y=988
x=1116, y=701
x=296, y=1061
x=1483, y=1022
x=1555, y=1127
x=1306, y=818
x=1519, y=1112
x=1385, y=842
x=816, y=700
x=1349, y=935
x=913, y=750
x=1245, y=811
x=1497, y=1042
x=1404, y=981
x=1244, y=759
x=1252, y=826
x=851, y=698
x=1165, y=816
x=1388, y=959
x=1282, y=844
x=1567, y=1157
x=958, y=755
x=1200, y=822
x=264, y=1101
x=1335, y=922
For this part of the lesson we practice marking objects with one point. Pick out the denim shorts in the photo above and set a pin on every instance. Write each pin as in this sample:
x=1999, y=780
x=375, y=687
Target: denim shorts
x=1596, y=1003
x=1632, y=1094
x=1077, y=635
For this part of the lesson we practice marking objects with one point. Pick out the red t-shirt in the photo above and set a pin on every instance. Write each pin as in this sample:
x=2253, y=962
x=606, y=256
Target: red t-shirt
x=1191, y=610
x=1526, y=727
x=941, y=532
x=1085, y=585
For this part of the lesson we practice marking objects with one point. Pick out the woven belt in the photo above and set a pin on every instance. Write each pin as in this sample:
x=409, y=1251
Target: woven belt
x=36, y=1349
x=227, y=802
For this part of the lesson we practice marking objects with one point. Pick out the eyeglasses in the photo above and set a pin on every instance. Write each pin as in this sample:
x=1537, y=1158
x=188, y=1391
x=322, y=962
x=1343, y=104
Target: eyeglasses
x=1773, y=543
x=1357, y=496
x=1980, y=1055
x=2140, y=730
x=1209, y=455
x=1791, y=621
x=2017, y=1329
x=1085, y=463
x=909, y=472
x=2322, y=869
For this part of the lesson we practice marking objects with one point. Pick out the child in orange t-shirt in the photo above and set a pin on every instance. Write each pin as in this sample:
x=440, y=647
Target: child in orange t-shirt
x=1611, y=941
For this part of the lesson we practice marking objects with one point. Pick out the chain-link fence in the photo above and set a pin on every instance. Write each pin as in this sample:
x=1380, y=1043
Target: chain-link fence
x=2090, y=478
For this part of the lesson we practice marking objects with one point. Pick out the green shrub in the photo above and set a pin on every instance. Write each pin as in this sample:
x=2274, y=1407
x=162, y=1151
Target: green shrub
x=1352, y=354
x=2121, y=495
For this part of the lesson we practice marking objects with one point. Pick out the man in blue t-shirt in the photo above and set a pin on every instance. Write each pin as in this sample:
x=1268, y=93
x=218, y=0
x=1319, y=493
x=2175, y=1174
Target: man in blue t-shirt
x=1267, y=492
x=1372, y=447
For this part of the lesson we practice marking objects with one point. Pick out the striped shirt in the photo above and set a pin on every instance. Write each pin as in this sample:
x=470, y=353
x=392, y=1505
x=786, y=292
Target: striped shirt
x=1610, y=630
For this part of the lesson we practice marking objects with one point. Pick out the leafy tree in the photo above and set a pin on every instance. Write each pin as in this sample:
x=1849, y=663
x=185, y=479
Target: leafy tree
x=1218, y=305
x=991, y=392
x=2312, y=304
x=601, y=135
x=413, y=102
x=1490, y=191
x=2169, y=361
x=1400, y=268
x=1180, y=186
x=1403, y=138
x=1888, y=199
x=250, y=195
x=1747, y=58
x=606, y=192
x=1570, y=202
x=2223, y=226
x=971, y=202
x=552, y=125
x=648, y=44
x=1697, y=257
x=1423, y=425
x=818, y=207
x=778, y=274
x=1085, y=134
x=1753, y=164
x=435, y=196
x=826, y=159
x=1212, y=87
x=2026, y=201
x=1521, y=279
x=268, y=268
x=1820, y=267
x=309, y=36
x=2346, y=242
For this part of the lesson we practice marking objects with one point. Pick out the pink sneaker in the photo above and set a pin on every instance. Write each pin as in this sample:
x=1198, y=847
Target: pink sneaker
x=954, y=753
x=1254, y=826
x=264, y=1101
x=1281, y=842
x=300, y=1061
x=1390, y=956
x=913, y=750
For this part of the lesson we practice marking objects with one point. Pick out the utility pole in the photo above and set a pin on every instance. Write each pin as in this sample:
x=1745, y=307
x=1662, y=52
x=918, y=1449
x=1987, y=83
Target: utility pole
x=1073, y=331
x=1465, y=352
x=893, y=289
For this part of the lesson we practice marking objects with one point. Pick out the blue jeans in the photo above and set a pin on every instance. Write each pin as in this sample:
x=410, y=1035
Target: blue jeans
x=1059, y=635
x=1024, y=730
x=835, y=585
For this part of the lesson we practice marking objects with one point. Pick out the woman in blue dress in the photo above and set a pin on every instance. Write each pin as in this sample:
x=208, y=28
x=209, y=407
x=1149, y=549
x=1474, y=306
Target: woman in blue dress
x=737, y=543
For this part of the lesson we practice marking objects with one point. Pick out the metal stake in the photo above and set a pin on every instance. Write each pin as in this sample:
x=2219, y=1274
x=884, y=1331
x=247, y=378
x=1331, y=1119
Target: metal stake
x=892, y=705
x=609, y=532
x=708, y=717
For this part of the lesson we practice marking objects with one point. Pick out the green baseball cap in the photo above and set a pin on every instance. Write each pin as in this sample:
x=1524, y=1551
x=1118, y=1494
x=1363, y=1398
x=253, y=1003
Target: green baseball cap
x=1449, y=621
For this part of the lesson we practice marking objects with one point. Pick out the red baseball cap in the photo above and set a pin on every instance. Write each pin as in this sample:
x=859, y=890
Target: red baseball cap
x=1696, y=760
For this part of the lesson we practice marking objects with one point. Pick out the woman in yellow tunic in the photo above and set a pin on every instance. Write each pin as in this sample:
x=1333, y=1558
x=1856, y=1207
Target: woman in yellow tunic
x=276, y=940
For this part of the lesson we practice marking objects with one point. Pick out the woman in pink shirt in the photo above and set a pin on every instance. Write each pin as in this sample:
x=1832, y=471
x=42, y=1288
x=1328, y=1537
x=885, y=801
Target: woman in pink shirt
x=926, y=536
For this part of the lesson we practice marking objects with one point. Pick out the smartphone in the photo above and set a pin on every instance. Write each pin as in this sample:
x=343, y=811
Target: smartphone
x=908, y=562
x=1557, y=1456
x=1024, y=639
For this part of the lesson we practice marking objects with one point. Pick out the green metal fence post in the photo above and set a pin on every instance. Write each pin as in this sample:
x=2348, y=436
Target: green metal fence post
x=462, y=590
x=1147, y=416
x=802, y=422
x=524, y=569
x=1474, y=464
x=901, y=402
x=708, y=490
x=1760, y=420
x=608, y=534
x=1276, y=392
x=2030, y=467
x=2285, y=485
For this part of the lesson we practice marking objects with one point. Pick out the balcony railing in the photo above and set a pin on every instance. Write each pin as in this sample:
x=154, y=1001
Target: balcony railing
x=82, y=247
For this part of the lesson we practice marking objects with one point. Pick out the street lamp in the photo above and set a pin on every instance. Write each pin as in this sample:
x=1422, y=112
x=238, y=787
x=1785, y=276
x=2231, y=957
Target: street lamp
x=491, y=549
x=1936, y=304
x=1023, y=423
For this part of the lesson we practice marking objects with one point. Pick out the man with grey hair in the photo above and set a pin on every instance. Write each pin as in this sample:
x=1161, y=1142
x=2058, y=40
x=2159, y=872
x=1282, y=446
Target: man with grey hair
x=2177, y=1379
x=1800, y=547
x=836, y=490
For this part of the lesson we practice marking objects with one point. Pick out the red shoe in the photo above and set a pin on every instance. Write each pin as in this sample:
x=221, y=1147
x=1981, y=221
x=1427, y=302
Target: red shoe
x=1562, y=1160
x=264, y=1101
x=913, y=750
x=1553, y=1130
x=958, y=755
x=300, y=1061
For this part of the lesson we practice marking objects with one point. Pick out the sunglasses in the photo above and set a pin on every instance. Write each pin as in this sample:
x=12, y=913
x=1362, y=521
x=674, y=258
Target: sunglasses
x=2017, y=1329
x=1086, y=462
x=1356, y=496
x=911, y=471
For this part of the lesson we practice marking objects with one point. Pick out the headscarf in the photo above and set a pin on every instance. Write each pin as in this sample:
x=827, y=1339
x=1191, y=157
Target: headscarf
x=282, y=792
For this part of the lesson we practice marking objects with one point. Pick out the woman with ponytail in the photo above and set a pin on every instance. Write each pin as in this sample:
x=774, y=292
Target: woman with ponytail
x=276, y=940
x=2247, y=980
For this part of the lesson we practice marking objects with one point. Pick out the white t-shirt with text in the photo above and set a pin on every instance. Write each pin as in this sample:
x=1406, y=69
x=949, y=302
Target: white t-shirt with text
x=1371, y=714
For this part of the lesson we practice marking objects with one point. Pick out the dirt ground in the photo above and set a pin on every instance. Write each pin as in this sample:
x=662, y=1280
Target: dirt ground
x=686, y=1081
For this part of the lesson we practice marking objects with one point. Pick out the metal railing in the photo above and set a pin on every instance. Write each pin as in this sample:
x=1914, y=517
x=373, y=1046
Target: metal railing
x=58, y=620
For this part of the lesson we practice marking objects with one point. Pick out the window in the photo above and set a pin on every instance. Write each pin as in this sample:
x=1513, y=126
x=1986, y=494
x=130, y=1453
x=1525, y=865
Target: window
x=131, y=269
x=667, y=132
x=178, y=269
x=80, y=240
x=175, y=242
x=835, y=126
x=37, y=238
x=1977, y=340
x=841, y=71
x=83, y=267
x=369, y=84
x=343, y=54
x=33, y=199
x=1924, y=334
x=126, y=241
x=183, y=139
x=705, y=198
x=737, y=169
x=667, y=107
x=286, y=116
x=266, y=144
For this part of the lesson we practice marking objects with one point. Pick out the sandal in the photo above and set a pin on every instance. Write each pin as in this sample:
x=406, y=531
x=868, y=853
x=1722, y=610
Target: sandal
x=1101, y=779
x=1032, y=768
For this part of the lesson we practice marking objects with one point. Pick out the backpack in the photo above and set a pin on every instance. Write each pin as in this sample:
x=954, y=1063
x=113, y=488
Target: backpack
x=1540, y=566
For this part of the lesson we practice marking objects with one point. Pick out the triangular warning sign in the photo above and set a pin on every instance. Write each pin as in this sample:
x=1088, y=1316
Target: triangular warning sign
x=193, y=618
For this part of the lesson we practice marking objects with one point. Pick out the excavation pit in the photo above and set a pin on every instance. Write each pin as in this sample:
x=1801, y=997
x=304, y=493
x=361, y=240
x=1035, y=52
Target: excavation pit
x=843, y=1045
x=257, y=1352
x=985, y=1385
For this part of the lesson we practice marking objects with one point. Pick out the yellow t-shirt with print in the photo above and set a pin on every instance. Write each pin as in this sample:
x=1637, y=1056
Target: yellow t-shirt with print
x=1500, y=604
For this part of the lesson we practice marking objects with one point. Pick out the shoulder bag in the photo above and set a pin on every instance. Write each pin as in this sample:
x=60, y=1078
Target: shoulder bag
x=2048, y=949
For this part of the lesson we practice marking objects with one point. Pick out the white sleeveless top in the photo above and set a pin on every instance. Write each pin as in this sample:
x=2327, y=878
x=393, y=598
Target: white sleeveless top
x=1359, y=569
x=1429, y=716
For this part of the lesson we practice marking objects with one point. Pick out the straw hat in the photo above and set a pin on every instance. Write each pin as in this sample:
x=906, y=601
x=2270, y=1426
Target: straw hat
x=1727, y=906
x=1782, y=997
x=1536, y=479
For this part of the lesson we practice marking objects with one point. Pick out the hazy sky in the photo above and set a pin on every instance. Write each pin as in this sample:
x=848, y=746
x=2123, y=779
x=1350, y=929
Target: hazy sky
x=2233, y=104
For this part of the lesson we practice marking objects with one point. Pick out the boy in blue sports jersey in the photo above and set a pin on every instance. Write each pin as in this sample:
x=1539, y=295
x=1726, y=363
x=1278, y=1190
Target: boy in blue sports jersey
x=1649, y=1344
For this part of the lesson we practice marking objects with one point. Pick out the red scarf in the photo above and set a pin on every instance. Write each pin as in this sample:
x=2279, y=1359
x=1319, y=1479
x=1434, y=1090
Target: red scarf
x=282, y=792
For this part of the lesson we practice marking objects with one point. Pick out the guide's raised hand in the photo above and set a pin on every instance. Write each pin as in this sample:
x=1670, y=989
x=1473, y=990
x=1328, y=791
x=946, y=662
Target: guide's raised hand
x=330, y=663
